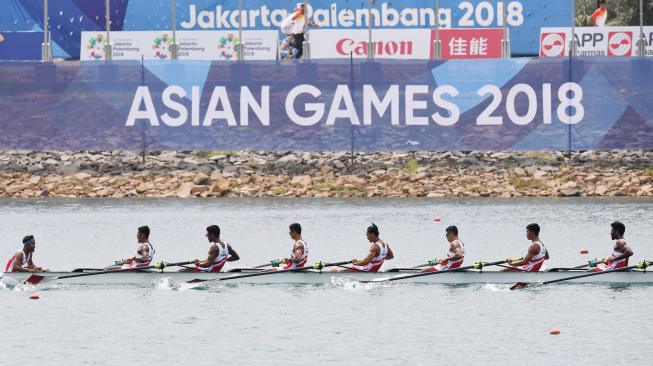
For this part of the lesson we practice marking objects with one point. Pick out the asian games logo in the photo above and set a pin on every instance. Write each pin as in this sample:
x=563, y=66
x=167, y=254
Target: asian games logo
x=227, y=47
x=620, y=43
x=552, y=45
x=95, y=46
x=162, y=45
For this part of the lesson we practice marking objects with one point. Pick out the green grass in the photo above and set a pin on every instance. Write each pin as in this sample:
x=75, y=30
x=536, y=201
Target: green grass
x=524, y=183
x=411, y=166
x=649, y=172
x=209, y=154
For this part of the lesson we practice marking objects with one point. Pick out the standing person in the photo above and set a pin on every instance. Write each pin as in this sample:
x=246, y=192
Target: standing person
x=379, y=252
x=600, y=15
x=535, y=256
x=621, y=251
x=22, y=260
x=144, y=253
x=455, y=255
x=220, y=252
x=299, y=28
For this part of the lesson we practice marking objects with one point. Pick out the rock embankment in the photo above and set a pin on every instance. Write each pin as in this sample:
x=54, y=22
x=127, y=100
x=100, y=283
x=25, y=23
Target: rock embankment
x=259, y=174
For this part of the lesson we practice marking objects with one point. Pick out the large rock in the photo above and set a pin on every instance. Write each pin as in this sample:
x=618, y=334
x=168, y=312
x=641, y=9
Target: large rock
x=81, y=176
x=13, y=189
x=184, y=190
x=303, y=181
x=221, y=186
x=144, y=187
x=353, y=180
x=201, y=179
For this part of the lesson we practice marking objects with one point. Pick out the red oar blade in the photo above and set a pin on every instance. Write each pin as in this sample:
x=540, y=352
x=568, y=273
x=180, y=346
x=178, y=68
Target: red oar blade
x=519, y=285
x=33, y=279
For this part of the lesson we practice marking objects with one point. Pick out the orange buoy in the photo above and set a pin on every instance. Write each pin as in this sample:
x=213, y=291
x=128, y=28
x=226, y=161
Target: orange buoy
x=554, y=331
x=34, y=297
x=584, y=251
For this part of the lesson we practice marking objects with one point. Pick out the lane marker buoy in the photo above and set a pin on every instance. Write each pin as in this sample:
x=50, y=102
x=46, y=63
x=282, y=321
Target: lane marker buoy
x=554, y=331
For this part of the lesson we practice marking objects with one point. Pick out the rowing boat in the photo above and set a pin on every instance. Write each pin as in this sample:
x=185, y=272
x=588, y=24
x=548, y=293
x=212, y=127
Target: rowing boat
x=317, y=277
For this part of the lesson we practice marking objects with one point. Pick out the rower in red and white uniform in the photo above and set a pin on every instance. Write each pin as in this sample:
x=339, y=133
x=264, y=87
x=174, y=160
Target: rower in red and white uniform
x=620, y=253
x=144, y=253
x=379, y=252
x=455, y=255
x=22, y=260
x=220, y=253
x=536, y=255
x=299, y=255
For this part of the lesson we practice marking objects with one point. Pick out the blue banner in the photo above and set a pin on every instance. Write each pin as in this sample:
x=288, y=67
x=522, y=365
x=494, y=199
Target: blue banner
x=520, y=104
x=20, y=45
x=69, y=17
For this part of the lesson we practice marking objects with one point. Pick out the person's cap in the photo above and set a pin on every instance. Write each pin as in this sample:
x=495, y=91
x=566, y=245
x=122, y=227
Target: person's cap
x=29, y=239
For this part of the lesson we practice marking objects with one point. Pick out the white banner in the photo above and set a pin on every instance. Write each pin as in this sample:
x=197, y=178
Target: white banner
x=389, y=43
x=594, y=41
x=192, y=45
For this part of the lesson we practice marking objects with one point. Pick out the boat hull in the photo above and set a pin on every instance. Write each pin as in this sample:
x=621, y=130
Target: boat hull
x=314, y=277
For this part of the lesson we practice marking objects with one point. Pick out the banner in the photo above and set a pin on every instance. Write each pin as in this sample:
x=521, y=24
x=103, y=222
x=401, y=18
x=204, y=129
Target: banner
x=595, y=41
x=192, y=45
x=329, y=105
x=406, y=44
x=20, y=45
x=68, y=18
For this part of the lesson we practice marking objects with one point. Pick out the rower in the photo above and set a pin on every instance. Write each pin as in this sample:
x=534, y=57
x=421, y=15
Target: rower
x=299, y=255
x=620, y=253
x=144, y=252
x=22, y=260
x=536, y=255
x=379, y=252
x=220, y=252
x=455, y=255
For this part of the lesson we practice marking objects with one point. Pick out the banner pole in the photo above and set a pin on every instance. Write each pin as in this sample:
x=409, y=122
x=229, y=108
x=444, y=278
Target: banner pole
x=641, y=42
x=437, y=44
x=108, y=52
x=241, y=48
x=572, y=42
x=307, y=44
x=173, y=46
x=46, y=50
x=505, y=42
x=370, y=43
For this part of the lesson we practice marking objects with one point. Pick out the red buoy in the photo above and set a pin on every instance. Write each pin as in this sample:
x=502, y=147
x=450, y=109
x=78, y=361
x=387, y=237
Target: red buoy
x=437, y=219
x=554, y=331
x=34, y=297
x=584, y=251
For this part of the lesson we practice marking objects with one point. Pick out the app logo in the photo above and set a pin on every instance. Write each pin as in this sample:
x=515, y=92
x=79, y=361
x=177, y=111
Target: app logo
x=552, y=45
x=620, y=43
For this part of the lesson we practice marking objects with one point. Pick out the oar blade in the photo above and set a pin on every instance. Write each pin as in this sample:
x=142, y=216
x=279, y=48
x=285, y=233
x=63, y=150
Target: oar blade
x=196, y=280
x=519, y=285
x=33, y=279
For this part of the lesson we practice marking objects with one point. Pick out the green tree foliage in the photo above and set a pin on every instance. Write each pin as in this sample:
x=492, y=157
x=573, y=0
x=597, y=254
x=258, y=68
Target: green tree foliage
x=620, y=12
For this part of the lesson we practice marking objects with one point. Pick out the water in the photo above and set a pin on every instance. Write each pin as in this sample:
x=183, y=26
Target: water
x=340, y=323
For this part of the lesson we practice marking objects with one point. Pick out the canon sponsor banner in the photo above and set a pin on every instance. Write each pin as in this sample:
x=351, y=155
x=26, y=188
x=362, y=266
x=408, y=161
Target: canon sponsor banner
x=595, y=41
x=388, y=43
x=470, y=43
x=406, y=43
x=329, y=105
x=192, y=45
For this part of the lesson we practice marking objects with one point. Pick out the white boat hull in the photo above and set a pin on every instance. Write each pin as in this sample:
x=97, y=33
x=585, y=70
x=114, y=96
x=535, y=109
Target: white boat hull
x=314, y=277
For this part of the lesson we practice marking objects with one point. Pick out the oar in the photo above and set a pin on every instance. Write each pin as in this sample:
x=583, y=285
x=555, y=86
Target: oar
x=272, y=263
x=588, y=264
x=317, y=266
x=34, y=279
x=642, y=265
x=478, y=265
x=430, y=263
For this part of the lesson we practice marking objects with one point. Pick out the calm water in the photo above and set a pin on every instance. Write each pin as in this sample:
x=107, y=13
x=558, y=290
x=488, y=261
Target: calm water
x=336, y=323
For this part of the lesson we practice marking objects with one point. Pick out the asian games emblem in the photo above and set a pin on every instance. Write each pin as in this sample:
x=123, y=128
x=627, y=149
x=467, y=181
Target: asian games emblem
x=96, y=47
x=227, y=47
x=161, y=47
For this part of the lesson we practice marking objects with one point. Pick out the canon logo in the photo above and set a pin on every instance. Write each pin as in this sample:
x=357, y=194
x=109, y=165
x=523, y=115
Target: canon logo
x=346, y=46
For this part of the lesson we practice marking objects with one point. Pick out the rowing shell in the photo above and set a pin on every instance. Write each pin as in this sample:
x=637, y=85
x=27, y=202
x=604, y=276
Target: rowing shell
x=316, y=277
